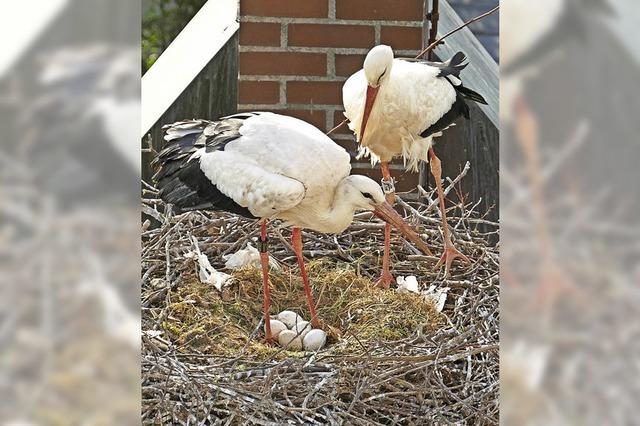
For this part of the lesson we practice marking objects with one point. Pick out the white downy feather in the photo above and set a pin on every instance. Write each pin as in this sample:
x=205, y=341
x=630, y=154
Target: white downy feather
x=249, y=256
x=207, y=273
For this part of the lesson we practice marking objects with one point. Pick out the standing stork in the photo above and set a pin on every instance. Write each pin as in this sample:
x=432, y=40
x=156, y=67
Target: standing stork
x=269, y=166
x=396, y=107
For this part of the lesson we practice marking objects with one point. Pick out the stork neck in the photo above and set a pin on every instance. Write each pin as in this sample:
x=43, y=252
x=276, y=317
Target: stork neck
x=341, y=210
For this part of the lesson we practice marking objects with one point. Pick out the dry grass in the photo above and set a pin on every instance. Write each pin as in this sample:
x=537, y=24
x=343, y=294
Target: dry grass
x=349, y=306
x=391, y=358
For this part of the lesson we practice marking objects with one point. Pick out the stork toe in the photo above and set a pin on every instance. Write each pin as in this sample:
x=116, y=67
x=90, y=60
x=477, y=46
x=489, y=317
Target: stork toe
x=385, y=280
x=450, y=253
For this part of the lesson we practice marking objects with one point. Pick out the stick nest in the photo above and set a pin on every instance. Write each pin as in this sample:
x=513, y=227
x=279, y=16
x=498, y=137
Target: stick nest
x=391, y=358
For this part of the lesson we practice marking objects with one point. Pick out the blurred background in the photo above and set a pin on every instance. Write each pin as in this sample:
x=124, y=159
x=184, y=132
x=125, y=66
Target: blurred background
x=570, y=263
x=69, y=212
x=70, y=223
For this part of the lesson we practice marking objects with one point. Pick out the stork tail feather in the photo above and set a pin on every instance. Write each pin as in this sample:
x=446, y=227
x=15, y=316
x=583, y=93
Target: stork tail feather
x=470, y=94
x=456, y=64
x=178, y=174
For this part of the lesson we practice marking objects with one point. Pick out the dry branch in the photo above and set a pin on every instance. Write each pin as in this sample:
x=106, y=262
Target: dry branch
x=441, y=372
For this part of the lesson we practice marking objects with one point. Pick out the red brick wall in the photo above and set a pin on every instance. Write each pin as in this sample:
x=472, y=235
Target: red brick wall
x=296, y=54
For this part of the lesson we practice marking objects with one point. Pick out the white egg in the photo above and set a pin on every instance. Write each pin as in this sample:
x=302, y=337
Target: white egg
x=314, y=340
x=289, y=318
x=276, y=327
x=288, y=339
x=302, y=328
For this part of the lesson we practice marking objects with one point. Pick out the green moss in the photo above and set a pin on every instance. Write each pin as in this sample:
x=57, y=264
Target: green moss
x=351, y=308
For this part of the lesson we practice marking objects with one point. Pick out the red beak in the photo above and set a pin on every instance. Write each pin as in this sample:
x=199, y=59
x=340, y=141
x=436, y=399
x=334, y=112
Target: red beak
x=387, y=213
x=372, y=92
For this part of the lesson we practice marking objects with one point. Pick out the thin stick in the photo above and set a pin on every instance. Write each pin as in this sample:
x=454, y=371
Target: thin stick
x=431, y=46
x=470, y=21
x=342, y=123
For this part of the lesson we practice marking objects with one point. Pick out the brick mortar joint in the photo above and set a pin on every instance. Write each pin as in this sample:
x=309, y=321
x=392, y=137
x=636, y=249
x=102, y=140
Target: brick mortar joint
x=332, y=9
x=331, y=65
x=307, y=49
x=284, y=36
x=329, y=21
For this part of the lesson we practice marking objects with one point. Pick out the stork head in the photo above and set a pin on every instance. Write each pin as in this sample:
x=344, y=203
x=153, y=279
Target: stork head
x=377, y=65
x=377, y=68
x=364, y=193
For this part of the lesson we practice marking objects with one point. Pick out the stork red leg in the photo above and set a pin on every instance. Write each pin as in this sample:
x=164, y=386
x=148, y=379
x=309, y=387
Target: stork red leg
x=386, y=278
x=450, y=252
x=296, y=239
x=264, y=260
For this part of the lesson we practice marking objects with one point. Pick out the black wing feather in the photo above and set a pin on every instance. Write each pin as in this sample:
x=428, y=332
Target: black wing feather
x=459, y=108
x=453, y=66
x=182, y=182
x=468, y=93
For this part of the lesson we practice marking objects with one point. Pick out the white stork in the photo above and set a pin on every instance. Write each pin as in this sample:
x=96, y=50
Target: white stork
x=269, y=166
x=395, y=107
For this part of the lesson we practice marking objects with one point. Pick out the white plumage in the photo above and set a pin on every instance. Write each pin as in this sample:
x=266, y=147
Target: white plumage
x=264, y=165
x=282, y=167
x=257, y=170
x=412, y=99
x=396, y=107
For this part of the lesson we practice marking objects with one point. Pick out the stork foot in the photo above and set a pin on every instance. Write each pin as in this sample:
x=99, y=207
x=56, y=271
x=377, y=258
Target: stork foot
x=385, y=280
x=268, y=335
x=269, y=340
x=317, y=323
x=450, y=253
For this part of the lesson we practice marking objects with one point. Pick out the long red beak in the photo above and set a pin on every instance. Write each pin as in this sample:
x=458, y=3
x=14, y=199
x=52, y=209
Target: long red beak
x=387, y=213
x=372, y=92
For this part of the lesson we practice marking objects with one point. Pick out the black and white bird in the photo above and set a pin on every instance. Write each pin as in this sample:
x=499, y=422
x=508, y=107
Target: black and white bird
x=396, y=107
x=268, y=166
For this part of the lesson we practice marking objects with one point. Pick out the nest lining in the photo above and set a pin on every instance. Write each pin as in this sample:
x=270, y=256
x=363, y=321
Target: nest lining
x=391, y=357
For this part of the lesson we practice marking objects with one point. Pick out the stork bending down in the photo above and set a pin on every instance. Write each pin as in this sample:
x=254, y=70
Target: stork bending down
x=396, y=107
x=268, y=166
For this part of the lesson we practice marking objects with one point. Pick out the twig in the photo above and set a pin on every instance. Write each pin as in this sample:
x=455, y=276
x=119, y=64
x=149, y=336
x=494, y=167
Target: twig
x=455, y=30
x=355, y=380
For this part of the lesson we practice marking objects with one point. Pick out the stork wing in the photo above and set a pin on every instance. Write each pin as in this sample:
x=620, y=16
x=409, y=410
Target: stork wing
x=451, y=67
x=290, y=147
x=253, y=164
x=353, y=97
x=248, y=184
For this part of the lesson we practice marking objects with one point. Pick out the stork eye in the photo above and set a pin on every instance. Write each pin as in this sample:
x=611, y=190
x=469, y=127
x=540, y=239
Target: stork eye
x=381, y=75
x=368, y=195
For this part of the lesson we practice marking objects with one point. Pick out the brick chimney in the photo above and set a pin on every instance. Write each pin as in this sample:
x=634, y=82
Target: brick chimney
x=296, y=54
